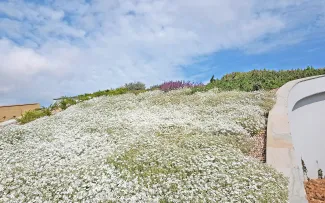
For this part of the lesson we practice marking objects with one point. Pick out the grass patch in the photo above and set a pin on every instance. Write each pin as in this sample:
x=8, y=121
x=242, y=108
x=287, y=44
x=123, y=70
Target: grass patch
x=33, y=115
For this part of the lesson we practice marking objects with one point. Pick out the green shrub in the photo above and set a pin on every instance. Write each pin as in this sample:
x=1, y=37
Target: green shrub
x=261, y=79
x=117, y=91
x=135, y=86
x=136, y=92
x=53, y=107
x=83, y=97
x=46, y=111
x=202, y=88
x=99, y=93
x=33, y=115
x=212, y=79
x=66, y=102
x=154, y=87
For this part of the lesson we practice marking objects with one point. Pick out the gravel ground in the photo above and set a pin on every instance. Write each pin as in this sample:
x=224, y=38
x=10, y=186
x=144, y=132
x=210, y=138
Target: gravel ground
x=315, y=190
x=259, y=149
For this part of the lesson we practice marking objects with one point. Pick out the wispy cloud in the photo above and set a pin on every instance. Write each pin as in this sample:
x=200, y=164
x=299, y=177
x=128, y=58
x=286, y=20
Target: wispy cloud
x=70, y=47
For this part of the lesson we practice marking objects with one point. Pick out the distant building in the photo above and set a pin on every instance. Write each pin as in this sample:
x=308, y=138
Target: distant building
x=15, y=111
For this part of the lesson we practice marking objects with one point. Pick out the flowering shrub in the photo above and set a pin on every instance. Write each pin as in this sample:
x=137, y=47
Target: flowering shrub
x=173, y=85
x=142, y=148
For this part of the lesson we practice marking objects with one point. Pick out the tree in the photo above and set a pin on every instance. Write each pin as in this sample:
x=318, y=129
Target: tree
x=212, y=79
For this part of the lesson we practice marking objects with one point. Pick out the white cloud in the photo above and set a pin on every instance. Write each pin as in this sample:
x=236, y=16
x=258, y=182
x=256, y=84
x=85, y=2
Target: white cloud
x=70, y=47
x=20, y=61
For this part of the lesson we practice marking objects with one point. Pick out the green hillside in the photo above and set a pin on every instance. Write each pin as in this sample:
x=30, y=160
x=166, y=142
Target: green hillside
x=262, y=79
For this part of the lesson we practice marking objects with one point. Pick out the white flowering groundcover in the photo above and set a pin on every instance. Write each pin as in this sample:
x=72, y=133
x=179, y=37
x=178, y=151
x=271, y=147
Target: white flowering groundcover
x=151, y=147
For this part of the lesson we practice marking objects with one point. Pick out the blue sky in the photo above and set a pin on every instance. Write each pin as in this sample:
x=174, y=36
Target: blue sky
x=53, y=48
x=292, y=57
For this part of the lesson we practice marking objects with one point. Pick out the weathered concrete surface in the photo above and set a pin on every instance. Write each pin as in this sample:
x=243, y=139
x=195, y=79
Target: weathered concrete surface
x=306, y=105
x=280, y=149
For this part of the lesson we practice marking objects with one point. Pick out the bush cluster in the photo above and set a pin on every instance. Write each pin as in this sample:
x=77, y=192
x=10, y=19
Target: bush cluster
x=135, y=86
x=33, y=115
x=66, y=102
x=261, y=79
x=112, y=92
x=154, y=87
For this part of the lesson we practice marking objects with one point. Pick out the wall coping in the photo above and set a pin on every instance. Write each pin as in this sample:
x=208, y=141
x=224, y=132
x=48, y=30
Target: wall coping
x=280, y=152
x=5, y=106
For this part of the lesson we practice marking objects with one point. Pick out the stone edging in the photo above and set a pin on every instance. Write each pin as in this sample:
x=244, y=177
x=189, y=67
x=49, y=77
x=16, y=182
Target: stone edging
x=279, y=147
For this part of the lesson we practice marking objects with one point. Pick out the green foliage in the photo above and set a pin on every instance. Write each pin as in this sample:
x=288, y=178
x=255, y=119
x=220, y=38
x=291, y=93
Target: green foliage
x=52, y=107
x=135, y=86
x=117, y=91
x=33, y=115
x=99, y=93
x=66, y=102
x=320, y=174
x=212, y=79
x=87, y=96
x=46, y=111
x=154, y=87
x=136, y=92
x=202, y=88
x=84, y=97
x=261, y=79
x=304, y=169
x=268, y=103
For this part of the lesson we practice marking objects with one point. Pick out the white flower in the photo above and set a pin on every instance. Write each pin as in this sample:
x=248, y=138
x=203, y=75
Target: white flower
x=146, y=148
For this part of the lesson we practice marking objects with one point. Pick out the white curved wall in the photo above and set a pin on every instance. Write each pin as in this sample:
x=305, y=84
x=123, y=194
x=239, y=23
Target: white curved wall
x=306, y=105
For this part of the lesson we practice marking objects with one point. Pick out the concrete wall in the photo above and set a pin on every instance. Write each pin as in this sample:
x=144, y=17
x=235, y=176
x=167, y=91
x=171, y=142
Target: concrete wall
x=280, y=152
x=14, y=111
x=306, y=105
x=294, y=130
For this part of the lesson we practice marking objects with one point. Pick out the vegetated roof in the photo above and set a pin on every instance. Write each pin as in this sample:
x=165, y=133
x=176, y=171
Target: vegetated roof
x=18, y=105
x=150, y=147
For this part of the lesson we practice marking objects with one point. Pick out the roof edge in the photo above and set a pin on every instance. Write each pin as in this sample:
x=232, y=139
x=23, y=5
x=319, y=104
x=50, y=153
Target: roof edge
x=19, y=105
